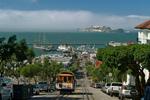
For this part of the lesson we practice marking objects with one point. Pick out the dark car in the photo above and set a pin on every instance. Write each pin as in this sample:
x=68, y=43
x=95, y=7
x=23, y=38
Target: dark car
x=134, y=93
x=36, y=89
x=97, y=85
x=52, y=87
x=43, y=86
x=127, y=91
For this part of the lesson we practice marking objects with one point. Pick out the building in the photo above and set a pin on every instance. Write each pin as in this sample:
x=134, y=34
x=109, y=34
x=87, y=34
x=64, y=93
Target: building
x=144, y=38
x=97, y=28
x=144, y=33
x=98, y=63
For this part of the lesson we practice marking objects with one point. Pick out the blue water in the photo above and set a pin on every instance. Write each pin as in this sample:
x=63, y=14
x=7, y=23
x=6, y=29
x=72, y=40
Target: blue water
x=74, y=37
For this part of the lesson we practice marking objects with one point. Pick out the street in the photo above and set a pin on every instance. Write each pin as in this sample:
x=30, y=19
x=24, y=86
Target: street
x=93, y=94
x=82, y=92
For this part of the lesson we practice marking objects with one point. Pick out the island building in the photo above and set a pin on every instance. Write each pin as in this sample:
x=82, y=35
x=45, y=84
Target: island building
x=96, y=28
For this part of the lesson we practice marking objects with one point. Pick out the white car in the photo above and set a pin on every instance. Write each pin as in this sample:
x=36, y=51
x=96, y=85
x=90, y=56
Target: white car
x=105, y=87
x=114, y=88
x=6, y=89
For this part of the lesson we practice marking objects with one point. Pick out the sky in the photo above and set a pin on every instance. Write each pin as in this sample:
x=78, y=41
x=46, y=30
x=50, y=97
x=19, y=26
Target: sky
x=67, y=15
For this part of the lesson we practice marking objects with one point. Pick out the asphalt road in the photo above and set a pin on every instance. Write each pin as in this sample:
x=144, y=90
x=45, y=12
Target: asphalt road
x=82, y=92
x=93, y=94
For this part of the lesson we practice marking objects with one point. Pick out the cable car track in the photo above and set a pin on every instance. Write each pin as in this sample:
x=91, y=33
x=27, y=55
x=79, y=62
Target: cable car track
x=86, y=95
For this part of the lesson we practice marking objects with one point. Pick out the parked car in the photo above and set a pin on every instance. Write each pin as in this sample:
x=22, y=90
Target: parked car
x=127, y=92
x=98, y=85
x=43, y=86
x=36, y=89
x=6, y=88
x=105, y=87
x=92, y=84
x=52, y=87
x=114, y=88
x=134, y=93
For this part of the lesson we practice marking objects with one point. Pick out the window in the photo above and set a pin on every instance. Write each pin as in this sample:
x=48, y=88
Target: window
x=116, y=84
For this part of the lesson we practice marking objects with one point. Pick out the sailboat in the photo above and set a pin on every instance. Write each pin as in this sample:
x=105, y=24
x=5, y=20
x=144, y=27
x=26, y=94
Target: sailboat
x=42, y=47
x=42, y=44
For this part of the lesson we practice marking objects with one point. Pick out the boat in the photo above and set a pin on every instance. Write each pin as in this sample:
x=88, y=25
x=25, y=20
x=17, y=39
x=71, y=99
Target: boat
x=114, y=43
x=86, y=48
x=64, y=48
x=42, y=45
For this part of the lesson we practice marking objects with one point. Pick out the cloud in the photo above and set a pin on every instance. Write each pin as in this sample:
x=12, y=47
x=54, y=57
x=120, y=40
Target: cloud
x=53, y=20
x=138, y=16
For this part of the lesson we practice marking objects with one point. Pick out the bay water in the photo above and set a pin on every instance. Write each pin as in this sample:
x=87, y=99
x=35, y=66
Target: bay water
x=101, y=39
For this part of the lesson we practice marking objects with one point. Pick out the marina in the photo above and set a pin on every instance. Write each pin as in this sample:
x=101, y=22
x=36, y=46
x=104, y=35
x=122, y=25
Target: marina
x=74, y=39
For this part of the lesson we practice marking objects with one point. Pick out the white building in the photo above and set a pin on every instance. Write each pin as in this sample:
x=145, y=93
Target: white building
x=144, y=33
x=144, y=38
x=130, y=80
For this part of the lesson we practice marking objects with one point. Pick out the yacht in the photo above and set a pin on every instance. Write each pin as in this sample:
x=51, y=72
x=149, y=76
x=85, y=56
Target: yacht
x=41, y=44
x=42, y=47
x=114, y=44
x=64, y=48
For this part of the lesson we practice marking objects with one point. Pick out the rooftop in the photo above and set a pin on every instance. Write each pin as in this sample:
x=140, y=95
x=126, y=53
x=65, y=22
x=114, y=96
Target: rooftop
x=144, y=25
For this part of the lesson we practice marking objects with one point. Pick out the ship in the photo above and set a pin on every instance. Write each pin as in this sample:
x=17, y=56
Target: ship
x=42, y=45
x=64, y=48
x=114, y=43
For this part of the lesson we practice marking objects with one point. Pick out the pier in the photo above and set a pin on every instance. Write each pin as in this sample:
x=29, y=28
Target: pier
x=68, y=43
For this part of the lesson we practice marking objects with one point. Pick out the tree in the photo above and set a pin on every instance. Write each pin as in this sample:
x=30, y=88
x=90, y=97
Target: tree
x=133, y=57
x=30, y=55
x=74, y=67
x=89, y=70
x=21, y=51
x=31, y=71
x=12, y=55
x=95, y=74
x=6, y=51
x=56, y=69
x=50, y=69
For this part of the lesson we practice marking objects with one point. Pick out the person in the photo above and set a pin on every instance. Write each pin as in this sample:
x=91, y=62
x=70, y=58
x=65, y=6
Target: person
x=147, y=90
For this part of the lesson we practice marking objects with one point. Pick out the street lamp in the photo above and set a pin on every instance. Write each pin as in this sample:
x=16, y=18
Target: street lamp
x=110, y=76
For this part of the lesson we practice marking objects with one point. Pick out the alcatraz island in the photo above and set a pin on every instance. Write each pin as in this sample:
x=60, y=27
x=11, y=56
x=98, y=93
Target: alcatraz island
x=97, y=28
